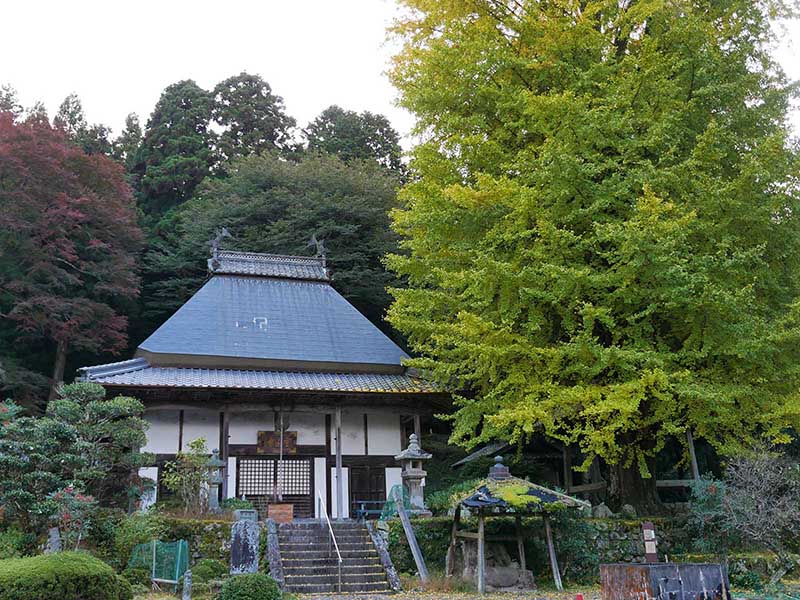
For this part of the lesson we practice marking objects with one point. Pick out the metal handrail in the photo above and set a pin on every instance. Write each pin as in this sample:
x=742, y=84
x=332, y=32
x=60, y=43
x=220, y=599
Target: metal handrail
x=323, y=510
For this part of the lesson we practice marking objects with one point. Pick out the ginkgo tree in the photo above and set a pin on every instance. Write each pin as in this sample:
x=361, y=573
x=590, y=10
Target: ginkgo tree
x=601, y=236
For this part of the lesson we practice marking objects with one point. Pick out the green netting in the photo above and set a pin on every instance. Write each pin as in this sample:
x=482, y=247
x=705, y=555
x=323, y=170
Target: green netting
x=165, y=561
x=390, y=507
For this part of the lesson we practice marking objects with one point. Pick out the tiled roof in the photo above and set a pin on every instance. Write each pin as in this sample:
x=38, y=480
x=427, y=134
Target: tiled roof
x=138, y=373
x=279, y=320
x=229, y=262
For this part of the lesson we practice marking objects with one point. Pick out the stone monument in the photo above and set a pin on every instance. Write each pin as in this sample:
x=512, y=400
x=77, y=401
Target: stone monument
x=413, y=474
x=215, y=467
x=53, y=541
x=245, y=538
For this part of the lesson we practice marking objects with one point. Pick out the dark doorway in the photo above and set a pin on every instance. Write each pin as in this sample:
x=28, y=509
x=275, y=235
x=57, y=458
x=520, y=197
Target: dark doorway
x=367, y=491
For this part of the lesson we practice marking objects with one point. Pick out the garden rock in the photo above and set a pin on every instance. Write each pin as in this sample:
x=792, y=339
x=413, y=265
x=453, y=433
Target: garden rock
x=628, y=511
x=601, y=511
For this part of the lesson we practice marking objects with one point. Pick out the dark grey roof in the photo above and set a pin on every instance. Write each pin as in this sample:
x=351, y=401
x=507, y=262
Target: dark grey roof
x=274, y=320
x=229, y=262
x=139, y=373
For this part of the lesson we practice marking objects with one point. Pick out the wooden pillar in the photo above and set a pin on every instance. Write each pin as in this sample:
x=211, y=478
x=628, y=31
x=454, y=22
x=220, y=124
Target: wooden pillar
x=692, y=455
x=416, y=552
x=418, y=428
x=552, y=552
x=450, y=559
x=520, y=542
x=481, y=554
x=224, y=450
x=339, y=491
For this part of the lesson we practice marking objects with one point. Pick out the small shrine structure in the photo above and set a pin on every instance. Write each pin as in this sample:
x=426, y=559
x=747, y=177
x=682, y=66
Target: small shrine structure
x=501, y=495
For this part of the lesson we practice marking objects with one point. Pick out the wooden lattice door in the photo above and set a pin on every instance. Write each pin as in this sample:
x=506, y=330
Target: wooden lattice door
x=258, y=478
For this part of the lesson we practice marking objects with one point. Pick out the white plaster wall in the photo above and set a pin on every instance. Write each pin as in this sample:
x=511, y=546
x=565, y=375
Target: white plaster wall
x=149, y=498
x=393, y=478
x=310, y=427
x=231, y=477
x=345, y=493
x=162, y=436
x=352, y=433
x=383, y=434
x=320, y=484
x=199, y=422
x=243, y=427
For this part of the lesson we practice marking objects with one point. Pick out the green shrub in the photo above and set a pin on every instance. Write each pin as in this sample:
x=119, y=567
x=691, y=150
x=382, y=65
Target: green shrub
x=137, y=576
x=208, y=569
x=251, y=586
x=15, y=543
x=65, y=576
x=230, y=504
x=442, y=501
x=746, y=579
x=134, y=530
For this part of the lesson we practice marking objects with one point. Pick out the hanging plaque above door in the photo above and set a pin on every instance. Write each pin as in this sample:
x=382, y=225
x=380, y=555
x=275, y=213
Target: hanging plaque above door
x=269, y=442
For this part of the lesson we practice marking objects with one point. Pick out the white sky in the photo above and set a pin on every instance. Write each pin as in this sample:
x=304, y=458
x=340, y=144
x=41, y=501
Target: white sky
x=118, y=57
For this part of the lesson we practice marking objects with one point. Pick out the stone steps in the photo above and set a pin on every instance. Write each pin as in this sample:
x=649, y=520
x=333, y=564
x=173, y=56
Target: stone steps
x=311, y=566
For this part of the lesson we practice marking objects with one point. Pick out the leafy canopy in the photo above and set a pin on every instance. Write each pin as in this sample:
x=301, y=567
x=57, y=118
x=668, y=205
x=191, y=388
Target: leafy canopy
x=252, y=117
x=351, y=135
x=68, y=240
x=602, y=235
x=176, y=152
x=85, y=441
x=272, y=205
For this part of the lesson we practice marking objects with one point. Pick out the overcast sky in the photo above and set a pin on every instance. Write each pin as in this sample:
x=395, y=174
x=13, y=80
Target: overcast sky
x=118, y=57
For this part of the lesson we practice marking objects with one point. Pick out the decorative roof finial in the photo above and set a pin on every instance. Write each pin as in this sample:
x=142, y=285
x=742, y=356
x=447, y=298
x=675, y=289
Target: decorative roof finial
x=318, y=245
x=222, y=232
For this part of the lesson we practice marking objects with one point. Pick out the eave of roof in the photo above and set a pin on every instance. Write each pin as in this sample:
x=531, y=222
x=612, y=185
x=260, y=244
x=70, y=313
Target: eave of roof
x=138, y=373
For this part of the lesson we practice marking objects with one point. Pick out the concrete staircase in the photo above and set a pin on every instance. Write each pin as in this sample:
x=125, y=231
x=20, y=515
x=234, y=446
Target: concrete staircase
x=309, y=568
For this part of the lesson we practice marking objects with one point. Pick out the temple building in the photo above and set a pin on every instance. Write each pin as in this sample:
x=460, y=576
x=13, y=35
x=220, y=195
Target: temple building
x=271, y=365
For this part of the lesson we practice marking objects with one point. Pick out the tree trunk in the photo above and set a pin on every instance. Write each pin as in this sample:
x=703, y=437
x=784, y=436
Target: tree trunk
x=58, y=369
x=627, y=486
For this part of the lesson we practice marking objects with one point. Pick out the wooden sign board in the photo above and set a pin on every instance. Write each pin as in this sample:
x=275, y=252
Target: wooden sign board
x=269, y=442
x=650, y=549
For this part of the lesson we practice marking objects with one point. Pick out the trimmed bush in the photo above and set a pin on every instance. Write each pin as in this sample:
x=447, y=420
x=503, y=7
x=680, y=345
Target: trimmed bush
x=208, y=569
x=65, y=576
x=251, y=586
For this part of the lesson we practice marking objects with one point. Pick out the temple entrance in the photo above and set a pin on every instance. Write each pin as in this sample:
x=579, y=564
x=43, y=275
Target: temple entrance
x=260, y=478
x=367, y=491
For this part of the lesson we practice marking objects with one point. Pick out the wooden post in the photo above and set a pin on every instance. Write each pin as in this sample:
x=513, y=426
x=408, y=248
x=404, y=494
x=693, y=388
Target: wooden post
x=481, y=555
x=224, y=451
x=410, y=536
x=692, y=455
x=551, y=550
x=418, y=428
x=339, y=490
x=520, y=542
x=450, y=559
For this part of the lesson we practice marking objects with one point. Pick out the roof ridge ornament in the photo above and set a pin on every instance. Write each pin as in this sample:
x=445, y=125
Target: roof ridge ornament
x=221, y=233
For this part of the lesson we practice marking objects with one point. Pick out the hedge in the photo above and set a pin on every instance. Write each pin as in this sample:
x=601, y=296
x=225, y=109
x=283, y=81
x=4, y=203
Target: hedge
x=65, y=576
x=250, y=586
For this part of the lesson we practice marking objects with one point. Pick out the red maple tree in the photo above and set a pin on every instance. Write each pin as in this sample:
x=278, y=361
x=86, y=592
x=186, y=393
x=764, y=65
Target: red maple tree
x=68, y=241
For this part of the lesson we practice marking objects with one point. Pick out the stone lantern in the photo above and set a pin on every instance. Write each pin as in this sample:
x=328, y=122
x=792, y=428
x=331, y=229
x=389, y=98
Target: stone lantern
x=215, y=466
x=413, y=474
